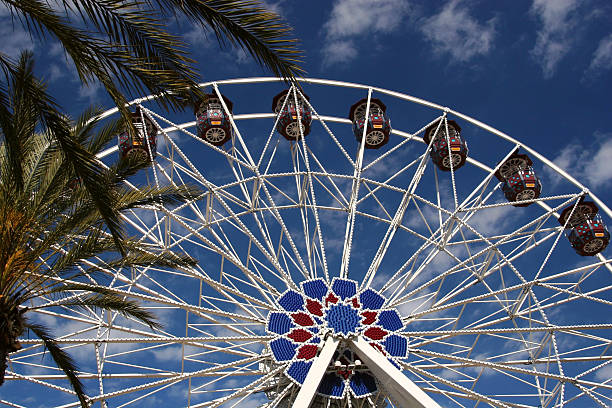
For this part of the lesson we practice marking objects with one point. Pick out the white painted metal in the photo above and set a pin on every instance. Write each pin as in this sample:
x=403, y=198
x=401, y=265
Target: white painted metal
x=402, y=390
x=276, y=212
x=309, y=389
x=406, y=97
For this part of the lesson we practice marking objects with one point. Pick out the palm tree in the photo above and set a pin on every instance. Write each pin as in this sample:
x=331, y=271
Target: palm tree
x=50, y=227
x=124, y=44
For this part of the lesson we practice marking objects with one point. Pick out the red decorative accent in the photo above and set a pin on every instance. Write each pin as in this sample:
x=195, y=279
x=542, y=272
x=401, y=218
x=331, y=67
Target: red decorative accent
x=345, y=373
x=379, y=347
x=370, y=317
x=302, y=319
x=356, y=303
x=307, y=351
x=300, y=335
x=330, y=299
x=314, y=307
x=375, y=333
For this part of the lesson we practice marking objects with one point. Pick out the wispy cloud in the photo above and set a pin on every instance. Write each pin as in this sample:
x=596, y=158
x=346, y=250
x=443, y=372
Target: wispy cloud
x=202, y=40
x=15, y=38
x=555, y=37
x=602, y=57
x=454, y=31
x=351, y=20
x=274, y=6
x=591, y=165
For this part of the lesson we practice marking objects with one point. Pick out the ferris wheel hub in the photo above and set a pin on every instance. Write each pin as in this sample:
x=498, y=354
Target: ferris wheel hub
x=342, y=313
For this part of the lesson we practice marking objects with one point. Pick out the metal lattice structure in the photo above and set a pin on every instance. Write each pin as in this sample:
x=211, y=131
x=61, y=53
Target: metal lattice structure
x=331, y=275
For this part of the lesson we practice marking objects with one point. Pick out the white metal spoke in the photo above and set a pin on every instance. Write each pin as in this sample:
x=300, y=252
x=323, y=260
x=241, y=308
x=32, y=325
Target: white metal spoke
x=495, y=307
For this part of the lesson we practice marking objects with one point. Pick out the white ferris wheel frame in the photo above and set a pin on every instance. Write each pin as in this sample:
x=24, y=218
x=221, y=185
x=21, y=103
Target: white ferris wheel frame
x=403, y=390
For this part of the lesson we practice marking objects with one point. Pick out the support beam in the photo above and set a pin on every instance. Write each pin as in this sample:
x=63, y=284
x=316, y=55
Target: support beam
x=399, y=387
x=315, y=375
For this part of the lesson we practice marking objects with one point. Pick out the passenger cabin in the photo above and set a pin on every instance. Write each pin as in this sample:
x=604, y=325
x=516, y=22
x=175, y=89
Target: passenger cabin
x=519, y=181
x=143, y=143
x=378, y=125
x=584, y=228
x=212, y=121
x=446, y=148
x=290, y=116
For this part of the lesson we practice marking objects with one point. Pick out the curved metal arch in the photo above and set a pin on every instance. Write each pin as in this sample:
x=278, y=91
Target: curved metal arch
x=236, y=215
x=396, y=94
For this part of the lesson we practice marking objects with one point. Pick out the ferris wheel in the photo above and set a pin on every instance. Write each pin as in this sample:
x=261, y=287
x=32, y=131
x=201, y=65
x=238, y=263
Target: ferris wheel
x=357, y=247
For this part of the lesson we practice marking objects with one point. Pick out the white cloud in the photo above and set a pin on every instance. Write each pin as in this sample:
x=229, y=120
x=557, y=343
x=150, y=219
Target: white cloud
x=602, y=57
x=16, y=39
x=591, y=165
x=167, y=354
x=202, y=40
x=339, y=51
x=199, y=37
x=351, y=20
x=54, y=72
x=604, y=373
x=273, y=6
x=556, y=35
x=455, y=32
x=491, y=220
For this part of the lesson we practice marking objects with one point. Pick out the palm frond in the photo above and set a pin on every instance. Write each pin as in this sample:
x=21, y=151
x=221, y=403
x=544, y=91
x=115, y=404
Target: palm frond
x=33, y=102
x=61, y=358
x=105, y=135
x=248, y=25
x=99, y=297
x=164, y=195
x=164, y=259
x=118, y=66
x=139, y=56
x=16, y=118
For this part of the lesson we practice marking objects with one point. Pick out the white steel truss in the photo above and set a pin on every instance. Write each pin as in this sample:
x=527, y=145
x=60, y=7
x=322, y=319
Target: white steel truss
x=497, y=308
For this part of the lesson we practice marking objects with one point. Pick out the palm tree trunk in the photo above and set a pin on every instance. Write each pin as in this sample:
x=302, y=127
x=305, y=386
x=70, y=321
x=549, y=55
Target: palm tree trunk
x=3, y=364
x=11, y=327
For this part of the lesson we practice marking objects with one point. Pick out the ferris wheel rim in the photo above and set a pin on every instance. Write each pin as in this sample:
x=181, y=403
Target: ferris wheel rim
x=340, y=120
x=318, y=81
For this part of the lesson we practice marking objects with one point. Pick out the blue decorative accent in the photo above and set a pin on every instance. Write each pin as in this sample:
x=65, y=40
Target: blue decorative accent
x=279, y=323
x=299, y=370
x=341, y=309
x=344, y=288
x=396, y=346
x=362, y=384
x=371, y=300
x=332, y=385
x=283, y=349
x=390, y=320
x=291, y=301
x=343, y=319
x=316, y=289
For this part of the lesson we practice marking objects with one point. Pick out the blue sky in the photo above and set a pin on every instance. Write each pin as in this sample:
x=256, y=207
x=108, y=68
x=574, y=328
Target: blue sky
x=538, y=70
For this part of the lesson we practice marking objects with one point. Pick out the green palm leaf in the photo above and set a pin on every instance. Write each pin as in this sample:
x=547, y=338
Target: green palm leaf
x=54, y=233
x=138, y=55
x=61, y=358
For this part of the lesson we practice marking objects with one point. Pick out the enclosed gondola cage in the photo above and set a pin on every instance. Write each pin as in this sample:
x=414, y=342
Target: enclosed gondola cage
x=378, y=125
x=290, y=115
x=519, y=180
x=585, y=229
x=212, y=121
x=143, y=143
x=446, y=149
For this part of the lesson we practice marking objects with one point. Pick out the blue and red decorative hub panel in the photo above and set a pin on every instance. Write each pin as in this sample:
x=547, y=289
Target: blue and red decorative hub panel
x=340, y=310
